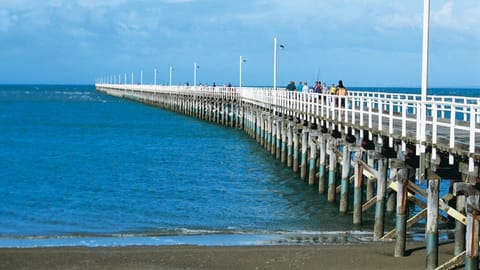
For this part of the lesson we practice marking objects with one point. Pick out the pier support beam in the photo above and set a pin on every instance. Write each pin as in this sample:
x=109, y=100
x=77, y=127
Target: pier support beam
x=332, y=167
x=303, y=162
x=273, y=149
x=268, y=142
x=378, y=229
x=278, y=144
x=312, y=161
x=472, y=234
x=431, y=230
x=322, y=167
x=262, y=129
x=402, y=215
x=460, y=227
x=283, y=156
x=289, y=145
x=295, y=149
x=357, y=194
x=471, y=252
x=345, y=179
x=370, y=189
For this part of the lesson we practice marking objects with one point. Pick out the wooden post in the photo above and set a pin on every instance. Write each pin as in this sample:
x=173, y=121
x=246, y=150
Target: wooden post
x=295, y=150
x=289, y=145
x=283, y=158
x=258, y=127
x=274, y=138
x=303, y=162
x=460, y=227
x=332, y=163
x=225, y=113
x=217, y=112
x=401, y=223
x=345, y=179
x=431, y=230
x=321, y=169
x=370, y=190
x=392, y=196
x=378, y=229
x=312, y=161
x=262, y=130
x=279, y=139
x=471, y=252
x=232, y=114
x=357, y=195
x=268, y=142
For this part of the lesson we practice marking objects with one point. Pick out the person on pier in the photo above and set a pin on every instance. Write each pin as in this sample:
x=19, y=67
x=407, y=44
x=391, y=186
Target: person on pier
x=342, y=92
x=318, y=87
x=299, y=86
x=333, y=89
x=305, y=88
x=291, y=86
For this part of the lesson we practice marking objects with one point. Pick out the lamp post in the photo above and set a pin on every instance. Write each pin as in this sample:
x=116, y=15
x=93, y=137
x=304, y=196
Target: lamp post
x=275, y=63
x=155, y=76
x=242, y=60
x=125, y=78
x=195, y=67
x=141, y=77
x=132, y=77
x=423, y=111
x=275, y=72
x=171, y=73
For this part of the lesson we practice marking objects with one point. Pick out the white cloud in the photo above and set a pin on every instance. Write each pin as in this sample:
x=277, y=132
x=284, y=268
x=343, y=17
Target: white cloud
x=178, y=1
x=7, y=20
x=461, y=20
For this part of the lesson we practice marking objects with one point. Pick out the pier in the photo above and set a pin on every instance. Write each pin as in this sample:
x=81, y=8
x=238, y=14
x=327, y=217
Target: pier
x=375, y=152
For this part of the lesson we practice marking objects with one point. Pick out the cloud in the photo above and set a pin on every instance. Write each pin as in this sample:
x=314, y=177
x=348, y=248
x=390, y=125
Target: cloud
x=178, y=1
x=7, y=20
x=451, y=18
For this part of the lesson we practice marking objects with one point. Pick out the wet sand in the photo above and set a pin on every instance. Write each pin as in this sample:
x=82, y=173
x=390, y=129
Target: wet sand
x=354, y=256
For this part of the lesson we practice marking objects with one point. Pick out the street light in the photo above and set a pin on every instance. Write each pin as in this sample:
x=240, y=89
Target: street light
x=141, y=77
x=155, y=76
x=195, y=67
x=275, y=61
x=171, y=73
x=242, y=60
x=275, y=73
x=423, y=111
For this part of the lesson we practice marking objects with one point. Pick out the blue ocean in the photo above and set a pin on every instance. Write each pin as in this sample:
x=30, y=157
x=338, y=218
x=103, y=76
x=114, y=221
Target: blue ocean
x=78, y=167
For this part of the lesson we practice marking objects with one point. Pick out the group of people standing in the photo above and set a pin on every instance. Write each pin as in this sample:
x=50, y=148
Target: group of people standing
x=318, y=88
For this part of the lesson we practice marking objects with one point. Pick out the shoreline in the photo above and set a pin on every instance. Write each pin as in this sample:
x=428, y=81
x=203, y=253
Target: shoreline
x=378, y=255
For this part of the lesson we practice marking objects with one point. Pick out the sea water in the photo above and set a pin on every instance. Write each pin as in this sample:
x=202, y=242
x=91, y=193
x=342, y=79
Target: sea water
x=78, y=167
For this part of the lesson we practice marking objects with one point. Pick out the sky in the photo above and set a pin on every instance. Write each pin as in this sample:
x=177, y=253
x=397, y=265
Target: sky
x=364, y=43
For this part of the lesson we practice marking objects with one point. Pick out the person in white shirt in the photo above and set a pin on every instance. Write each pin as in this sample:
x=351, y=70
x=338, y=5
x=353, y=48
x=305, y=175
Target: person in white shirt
x=305, y=88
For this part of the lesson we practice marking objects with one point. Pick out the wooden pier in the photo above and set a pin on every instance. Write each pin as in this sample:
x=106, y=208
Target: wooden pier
x=371, y=148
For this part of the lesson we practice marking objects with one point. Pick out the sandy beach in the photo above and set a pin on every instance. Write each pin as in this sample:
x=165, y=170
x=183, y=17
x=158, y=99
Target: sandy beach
x=354, y=256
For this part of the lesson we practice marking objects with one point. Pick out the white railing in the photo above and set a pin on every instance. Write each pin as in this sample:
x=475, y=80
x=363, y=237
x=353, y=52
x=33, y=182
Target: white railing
x=452, y=121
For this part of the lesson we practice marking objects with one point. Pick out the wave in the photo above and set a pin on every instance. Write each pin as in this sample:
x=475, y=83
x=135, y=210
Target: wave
x=205, y=237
